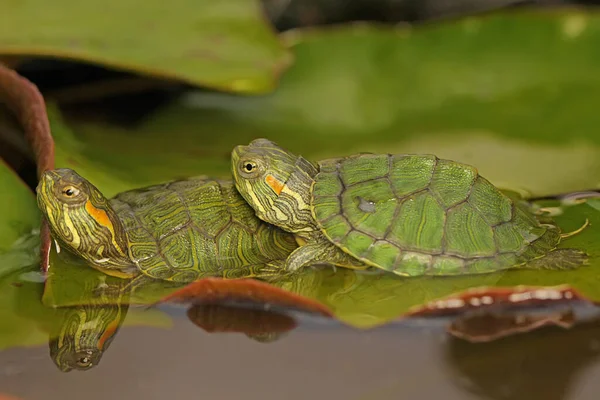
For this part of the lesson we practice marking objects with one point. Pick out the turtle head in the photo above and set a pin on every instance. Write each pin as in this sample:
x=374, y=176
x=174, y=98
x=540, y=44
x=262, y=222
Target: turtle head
x=81, y=218
x=275, y=182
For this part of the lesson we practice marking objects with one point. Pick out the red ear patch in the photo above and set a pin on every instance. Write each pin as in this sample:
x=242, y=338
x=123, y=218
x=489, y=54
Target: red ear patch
x=100, y=216
x=274, y=184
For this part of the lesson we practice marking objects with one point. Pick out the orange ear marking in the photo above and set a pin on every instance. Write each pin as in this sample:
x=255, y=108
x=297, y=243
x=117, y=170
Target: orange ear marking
x=276, y=185
x=110, y=331
x=100, y=216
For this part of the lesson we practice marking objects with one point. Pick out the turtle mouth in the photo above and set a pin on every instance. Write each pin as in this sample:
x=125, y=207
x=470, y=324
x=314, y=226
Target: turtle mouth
x=46, y=181
x=44, y=187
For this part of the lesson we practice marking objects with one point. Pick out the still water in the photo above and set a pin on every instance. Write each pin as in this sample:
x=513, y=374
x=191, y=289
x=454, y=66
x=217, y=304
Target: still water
x=317, y=360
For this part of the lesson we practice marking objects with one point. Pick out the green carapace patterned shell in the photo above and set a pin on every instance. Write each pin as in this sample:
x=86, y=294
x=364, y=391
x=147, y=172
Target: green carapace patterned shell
x=420, y=215
x=184, y=230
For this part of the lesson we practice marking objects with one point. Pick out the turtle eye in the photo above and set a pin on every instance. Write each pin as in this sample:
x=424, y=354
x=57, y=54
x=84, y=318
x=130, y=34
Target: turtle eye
x=84, y=362
x=249, y=167
x=70, y=191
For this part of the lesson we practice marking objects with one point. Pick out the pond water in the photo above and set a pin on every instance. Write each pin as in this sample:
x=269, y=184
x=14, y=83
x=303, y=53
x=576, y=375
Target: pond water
x=317, y=360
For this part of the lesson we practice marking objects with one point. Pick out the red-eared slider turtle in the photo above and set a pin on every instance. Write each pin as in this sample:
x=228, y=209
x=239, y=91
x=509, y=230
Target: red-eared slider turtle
x=409, y=214
x=178, y=231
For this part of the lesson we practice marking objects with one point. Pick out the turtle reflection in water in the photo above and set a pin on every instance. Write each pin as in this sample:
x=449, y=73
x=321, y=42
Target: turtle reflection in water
x=179, y=231
x=412, y=215
x=84, y=333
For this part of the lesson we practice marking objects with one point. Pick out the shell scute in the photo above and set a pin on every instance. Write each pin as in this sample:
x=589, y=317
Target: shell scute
x=207, y=209
x=171, y=216
x=358, y=242
x=142, y=244
x=411, y=173
x=364, y=167
x=467, y=233
x=329, y=185
x=508, y=238
x=327, y=208
x=336, y=227
x=413, y=263
x=447, y=265
x=370, y=206
x=156, y=267
x=527, y=226
x=231, y=247
x=329, y=165
x=451, y=182
x=493, y=206
x=383, y=254
x=419, y=225
x=182, y=248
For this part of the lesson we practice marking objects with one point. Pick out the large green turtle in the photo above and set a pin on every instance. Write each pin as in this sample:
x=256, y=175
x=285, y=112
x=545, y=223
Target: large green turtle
x=178, y=231
x=409, y=214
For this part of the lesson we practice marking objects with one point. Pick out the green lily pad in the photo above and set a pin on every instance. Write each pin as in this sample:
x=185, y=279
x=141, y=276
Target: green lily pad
x=226, y=44
x=18, y=209
x=18, y=255
x=519, y=113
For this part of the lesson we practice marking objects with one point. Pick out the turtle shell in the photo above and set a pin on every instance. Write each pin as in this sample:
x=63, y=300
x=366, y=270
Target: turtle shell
x=183, y=230
x=420, y=215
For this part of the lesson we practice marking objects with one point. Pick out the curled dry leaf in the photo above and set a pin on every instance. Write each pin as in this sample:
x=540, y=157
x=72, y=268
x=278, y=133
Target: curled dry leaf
x=217, y=290
x=25, y=100
x=492, y=326
x=488, y=297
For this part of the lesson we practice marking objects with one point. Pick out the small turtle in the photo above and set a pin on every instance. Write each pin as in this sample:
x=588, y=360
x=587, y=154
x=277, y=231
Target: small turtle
x=178, y=231
x=410, y=214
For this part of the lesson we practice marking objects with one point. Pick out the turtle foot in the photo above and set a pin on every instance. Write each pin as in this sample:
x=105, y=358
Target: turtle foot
x=560, y=259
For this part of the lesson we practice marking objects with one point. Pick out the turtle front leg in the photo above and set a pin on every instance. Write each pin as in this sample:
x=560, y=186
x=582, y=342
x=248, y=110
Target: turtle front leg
x=321, y=253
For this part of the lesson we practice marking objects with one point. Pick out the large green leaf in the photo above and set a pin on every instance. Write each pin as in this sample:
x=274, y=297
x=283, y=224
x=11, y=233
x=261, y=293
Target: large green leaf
x=17, y=207
x=225, y=44
x=509, y=94
x=19, y=220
